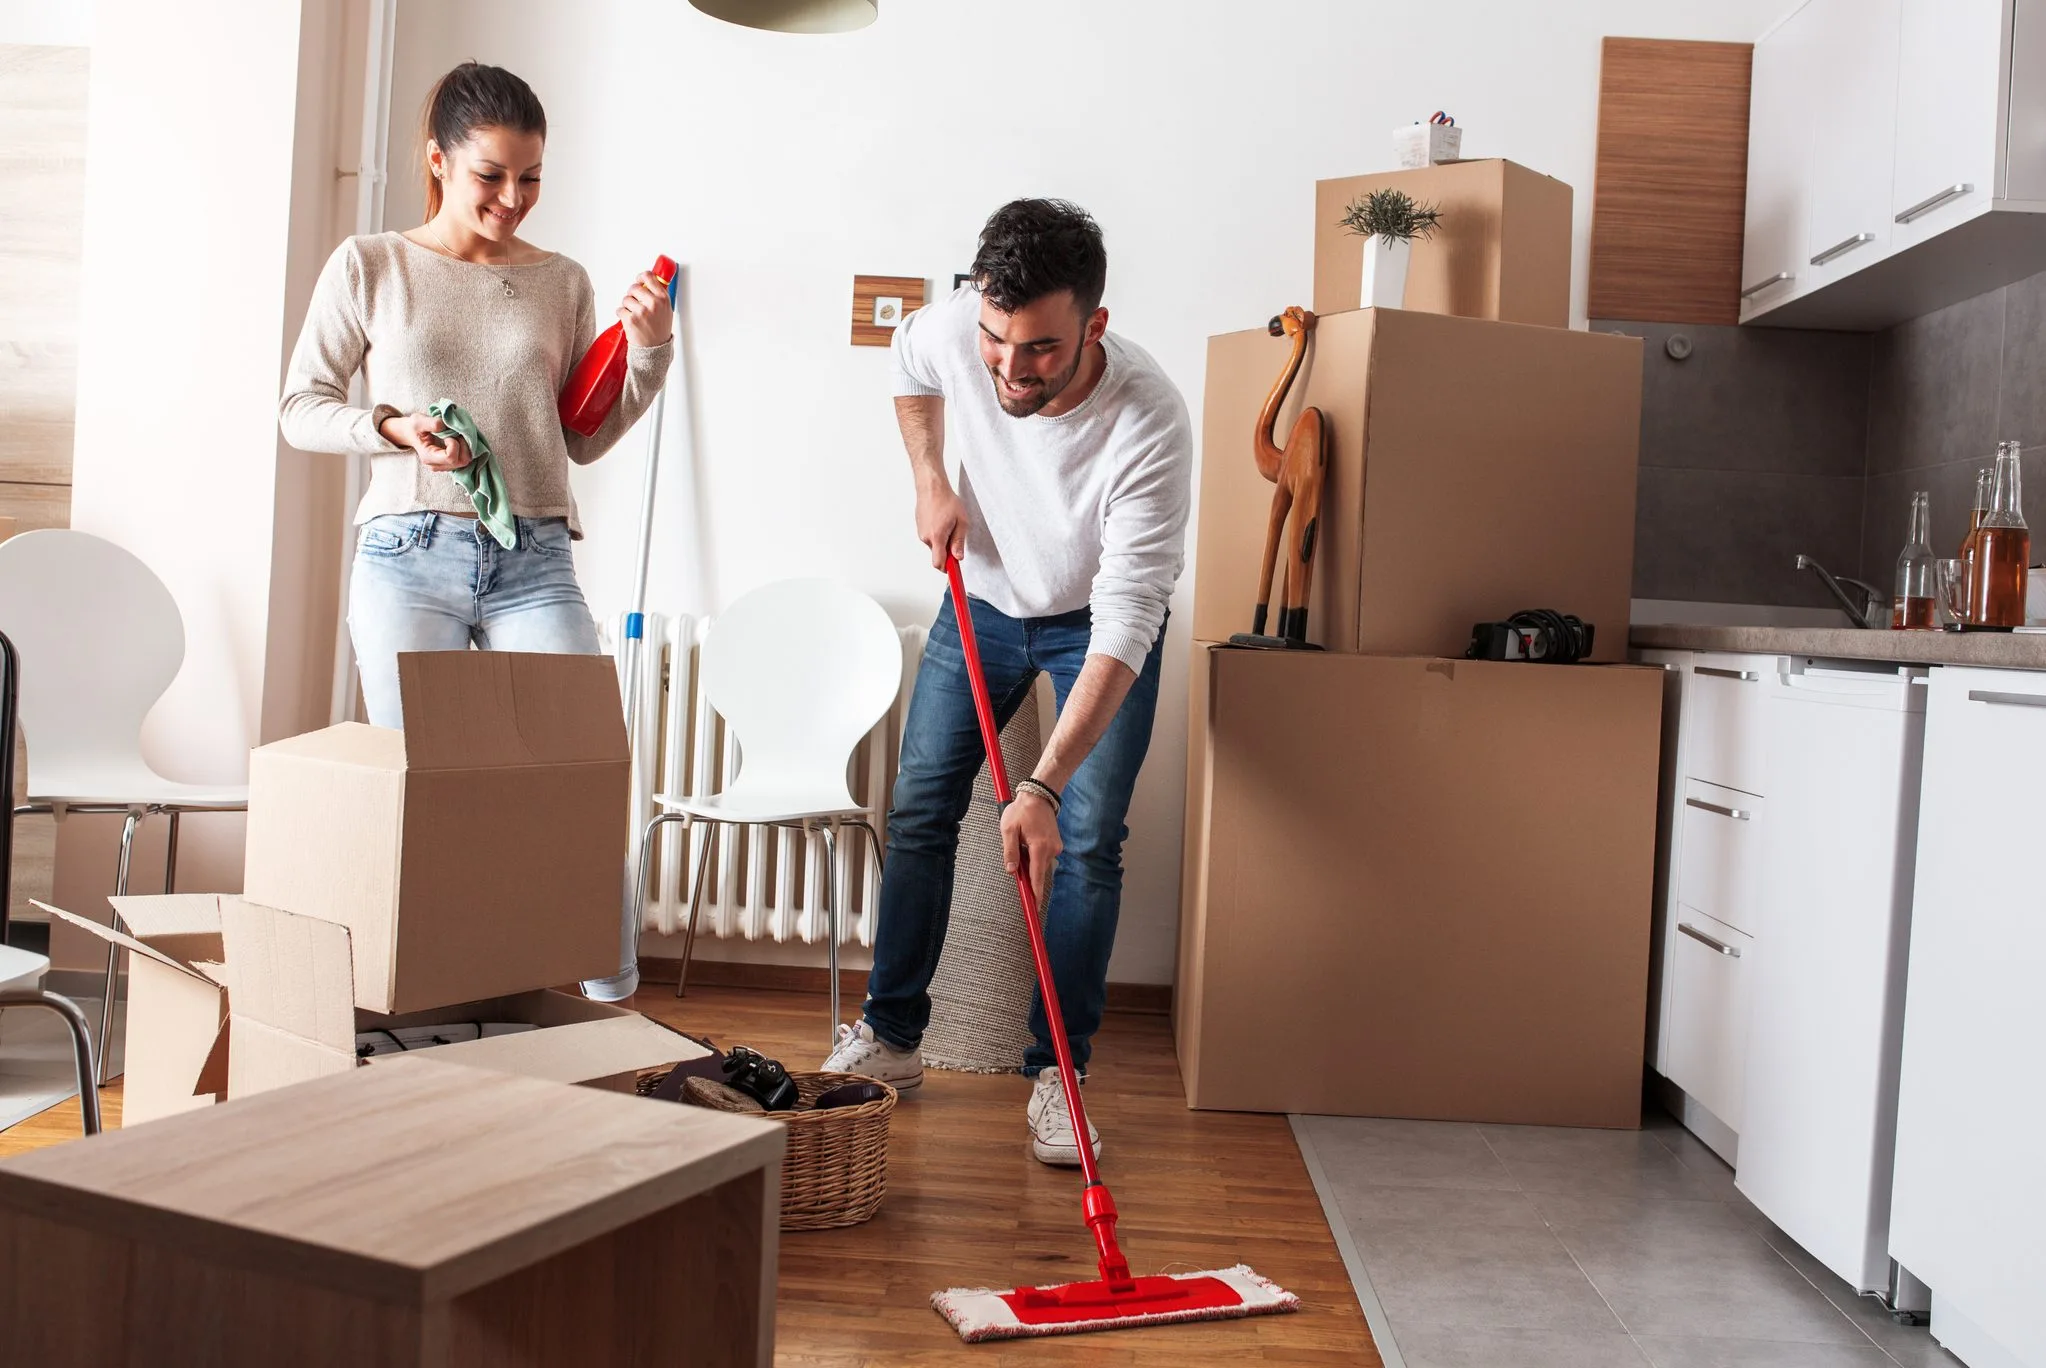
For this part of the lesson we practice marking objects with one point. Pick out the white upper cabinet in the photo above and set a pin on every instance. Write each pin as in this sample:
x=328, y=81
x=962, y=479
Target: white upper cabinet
x=1949, y=86
x=1853, y=135
x=1779, y=101
x=1913, y=135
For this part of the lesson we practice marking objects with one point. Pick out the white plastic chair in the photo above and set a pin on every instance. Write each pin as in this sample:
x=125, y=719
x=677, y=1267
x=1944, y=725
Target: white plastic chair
x=21, y=985
x=100, y=640
x=800, y=670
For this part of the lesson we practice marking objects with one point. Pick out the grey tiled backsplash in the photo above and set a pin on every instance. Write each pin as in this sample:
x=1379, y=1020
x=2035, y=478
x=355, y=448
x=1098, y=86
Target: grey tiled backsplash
x=1765, y=442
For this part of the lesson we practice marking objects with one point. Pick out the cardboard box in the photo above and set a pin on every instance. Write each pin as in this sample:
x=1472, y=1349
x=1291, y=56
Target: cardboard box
x=1476, y=469
x=292, y=1016
x=174, y=1052
x=477, y=853
x=1502, y=252
x=1430, y=881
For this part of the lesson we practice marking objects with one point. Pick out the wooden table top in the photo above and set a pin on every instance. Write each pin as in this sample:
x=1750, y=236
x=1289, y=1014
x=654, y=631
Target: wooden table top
x=410, y=1182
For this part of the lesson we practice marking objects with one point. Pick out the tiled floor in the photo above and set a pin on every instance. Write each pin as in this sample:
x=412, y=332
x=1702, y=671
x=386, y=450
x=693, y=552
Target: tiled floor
x=1533, y=1247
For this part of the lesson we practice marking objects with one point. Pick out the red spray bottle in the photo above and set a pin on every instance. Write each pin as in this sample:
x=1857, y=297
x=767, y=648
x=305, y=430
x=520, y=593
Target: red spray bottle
x=599, y=378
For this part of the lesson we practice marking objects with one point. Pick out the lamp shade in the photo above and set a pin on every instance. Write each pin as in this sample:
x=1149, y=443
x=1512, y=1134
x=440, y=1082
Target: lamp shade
x=793, y=16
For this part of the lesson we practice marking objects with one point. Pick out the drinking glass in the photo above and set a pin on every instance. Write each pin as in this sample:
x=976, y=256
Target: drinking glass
x=1951, y=577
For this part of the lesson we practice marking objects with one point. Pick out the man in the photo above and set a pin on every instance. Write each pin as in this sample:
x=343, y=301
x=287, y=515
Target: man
x=1069, y=522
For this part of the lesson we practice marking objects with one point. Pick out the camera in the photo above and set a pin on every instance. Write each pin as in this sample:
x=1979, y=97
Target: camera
x=760, y=1078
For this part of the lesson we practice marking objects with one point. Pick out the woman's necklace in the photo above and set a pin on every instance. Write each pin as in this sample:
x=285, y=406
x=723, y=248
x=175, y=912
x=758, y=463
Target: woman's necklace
x=503, y=281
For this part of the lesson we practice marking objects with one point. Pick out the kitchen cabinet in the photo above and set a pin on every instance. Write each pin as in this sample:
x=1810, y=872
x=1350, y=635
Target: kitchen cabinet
x=1897, y=159
x=1708, y=1027
x=1853, y=120
x=1968, y=1203
x=1824, y=980
x=1947, y=92
x=1779, y=148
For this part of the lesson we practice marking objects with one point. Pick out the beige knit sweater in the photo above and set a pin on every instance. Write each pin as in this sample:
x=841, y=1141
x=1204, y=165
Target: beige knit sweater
x=420, y=327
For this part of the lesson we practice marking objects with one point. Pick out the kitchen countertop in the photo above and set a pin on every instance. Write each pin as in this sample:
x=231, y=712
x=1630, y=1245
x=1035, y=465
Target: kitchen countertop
x=1998, y=650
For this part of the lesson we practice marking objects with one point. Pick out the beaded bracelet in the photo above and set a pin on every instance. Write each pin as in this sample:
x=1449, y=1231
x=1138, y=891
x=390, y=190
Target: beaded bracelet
x=1042, y=789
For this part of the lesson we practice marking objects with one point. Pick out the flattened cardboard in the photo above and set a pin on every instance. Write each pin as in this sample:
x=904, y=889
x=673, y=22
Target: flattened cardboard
x=294, y=1018
x=1432, y=878
x=1502, y=251
x=479, y=853
x=177, y=1006
x=1475, y=469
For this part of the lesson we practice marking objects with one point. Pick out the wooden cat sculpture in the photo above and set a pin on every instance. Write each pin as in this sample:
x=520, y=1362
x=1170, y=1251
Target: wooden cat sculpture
x=1298, y=469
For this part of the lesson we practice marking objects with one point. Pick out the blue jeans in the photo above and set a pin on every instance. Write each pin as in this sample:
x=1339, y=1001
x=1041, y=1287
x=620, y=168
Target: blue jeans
x=431, y=582
x=941, y=755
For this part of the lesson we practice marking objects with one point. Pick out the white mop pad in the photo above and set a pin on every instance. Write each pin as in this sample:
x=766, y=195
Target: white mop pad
x=979, y=1313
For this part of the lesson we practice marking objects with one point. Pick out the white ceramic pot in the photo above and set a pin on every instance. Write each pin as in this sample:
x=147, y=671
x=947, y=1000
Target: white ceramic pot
x=1385, y=274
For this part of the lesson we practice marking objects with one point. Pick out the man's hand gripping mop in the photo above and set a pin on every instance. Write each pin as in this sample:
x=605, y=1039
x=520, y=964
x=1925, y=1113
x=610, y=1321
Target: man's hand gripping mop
x=1115, y=1300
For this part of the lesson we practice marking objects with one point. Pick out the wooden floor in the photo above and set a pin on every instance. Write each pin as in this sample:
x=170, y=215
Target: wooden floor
x=968, y=1206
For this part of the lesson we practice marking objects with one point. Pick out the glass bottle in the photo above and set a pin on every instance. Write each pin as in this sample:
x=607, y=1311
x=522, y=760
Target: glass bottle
x=1985, y=489
x=2001, y=550
x=1913, y=607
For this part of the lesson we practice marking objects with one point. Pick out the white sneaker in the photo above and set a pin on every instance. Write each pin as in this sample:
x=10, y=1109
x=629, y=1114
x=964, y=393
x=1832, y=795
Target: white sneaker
x=1051, y=1124
x=860, y=1051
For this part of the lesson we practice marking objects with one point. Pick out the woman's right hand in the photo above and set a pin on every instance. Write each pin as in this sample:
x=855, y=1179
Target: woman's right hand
x=416, y=431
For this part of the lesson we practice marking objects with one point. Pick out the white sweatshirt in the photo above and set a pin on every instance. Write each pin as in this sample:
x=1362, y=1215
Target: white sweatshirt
x=1085, y=510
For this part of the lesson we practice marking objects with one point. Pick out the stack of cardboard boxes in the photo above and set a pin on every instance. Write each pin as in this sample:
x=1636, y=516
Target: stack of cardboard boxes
x=1417, y=885
x=458, y=872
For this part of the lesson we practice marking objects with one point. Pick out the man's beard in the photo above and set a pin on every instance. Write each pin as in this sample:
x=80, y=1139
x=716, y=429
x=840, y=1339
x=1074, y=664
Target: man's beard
x=1039, y=395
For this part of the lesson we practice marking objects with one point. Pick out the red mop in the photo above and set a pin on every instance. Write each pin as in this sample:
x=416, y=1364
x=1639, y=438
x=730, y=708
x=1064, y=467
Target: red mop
x=1115, y=1300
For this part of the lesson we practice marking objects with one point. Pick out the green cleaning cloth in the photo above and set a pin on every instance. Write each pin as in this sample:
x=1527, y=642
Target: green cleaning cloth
x=481, y=480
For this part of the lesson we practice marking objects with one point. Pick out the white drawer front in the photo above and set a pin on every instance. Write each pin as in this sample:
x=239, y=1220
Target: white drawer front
x=1719, y=868
x=1708, y=1029
x=1723, y=720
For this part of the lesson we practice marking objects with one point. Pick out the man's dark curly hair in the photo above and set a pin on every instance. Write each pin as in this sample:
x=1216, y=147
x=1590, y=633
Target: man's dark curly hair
x=1031, y=248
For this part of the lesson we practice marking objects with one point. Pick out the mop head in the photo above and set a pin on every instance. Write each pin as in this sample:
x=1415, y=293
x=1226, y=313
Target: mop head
x=980, y=1313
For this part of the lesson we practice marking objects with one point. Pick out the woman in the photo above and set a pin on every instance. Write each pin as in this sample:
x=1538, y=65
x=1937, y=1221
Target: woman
x=462, y=309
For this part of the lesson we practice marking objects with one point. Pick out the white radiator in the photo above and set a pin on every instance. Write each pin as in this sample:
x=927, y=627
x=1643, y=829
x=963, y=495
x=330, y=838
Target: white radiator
x=763, y=882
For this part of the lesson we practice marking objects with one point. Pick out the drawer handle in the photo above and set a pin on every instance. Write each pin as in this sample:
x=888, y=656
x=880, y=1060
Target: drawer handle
x=1843, y=247
x=1932, y=202
x=1730, y=951
x=1746, y=676
x=1704, y=806
x=2008, y=699
x=1760, y=286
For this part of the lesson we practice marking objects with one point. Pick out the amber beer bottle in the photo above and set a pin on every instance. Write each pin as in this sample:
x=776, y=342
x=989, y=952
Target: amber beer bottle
x=2000, y=550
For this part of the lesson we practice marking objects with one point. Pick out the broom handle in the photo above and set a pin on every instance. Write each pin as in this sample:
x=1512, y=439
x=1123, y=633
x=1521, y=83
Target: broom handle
x=1100, y=1209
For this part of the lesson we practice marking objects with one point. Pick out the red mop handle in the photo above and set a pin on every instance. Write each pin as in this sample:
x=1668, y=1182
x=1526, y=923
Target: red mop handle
x=1095, y=1201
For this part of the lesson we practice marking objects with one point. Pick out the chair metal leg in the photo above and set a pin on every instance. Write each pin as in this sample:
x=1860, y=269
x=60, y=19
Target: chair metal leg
x=831, y=915
x=873, y=840
x=81, y=1048
x=106, y=1005
x=695, y=904
x=170, y=856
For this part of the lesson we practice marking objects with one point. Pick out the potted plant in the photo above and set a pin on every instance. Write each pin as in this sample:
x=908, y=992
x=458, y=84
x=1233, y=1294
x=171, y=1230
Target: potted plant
x=1388, y=220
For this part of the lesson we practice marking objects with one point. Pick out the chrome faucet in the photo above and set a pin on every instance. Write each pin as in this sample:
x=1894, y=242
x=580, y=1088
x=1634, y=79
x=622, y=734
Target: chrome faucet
x=1868, y=614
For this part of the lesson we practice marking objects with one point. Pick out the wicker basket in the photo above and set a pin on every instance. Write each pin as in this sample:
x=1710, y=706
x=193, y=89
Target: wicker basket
x=835, y=1170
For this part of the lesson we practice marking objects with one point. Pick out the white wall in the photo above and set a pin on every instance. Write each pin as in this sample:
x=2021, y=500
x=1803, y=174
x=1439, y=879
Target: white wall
x=193, y=170
x=56, y=23
x=777, y=167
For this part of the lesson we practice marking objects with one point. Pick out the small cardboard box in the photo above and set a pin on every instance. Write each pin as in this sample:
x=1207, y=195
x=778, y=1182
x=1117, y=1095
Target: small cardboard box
x=1502, y=252
x=292, y=1016
x=1474, y=469
x=477, y=853
x=174, y=1051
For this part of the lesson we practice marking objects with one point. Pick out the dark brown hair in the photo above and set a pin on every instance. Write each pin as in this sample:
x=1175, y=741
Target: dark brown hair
x=470, y=97
x=1031, y=248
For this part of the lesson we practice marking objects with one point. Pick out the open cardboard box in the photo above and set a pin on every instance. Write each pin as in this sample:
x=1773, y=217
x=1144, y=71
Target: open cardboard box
x=478, y=852
x=275, y=1006
x=177, y=1002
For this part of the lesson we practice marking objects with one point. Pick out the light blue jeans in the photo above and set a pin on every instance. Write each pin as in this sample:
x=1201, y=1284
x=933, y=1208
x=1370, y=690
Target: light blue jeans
x=432, y=582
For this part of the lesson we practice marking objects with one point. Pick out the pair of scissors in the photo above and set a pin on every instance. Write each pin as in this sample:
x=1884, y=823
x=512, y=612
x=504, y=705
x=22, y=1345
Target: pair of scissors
x=1441, y=118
